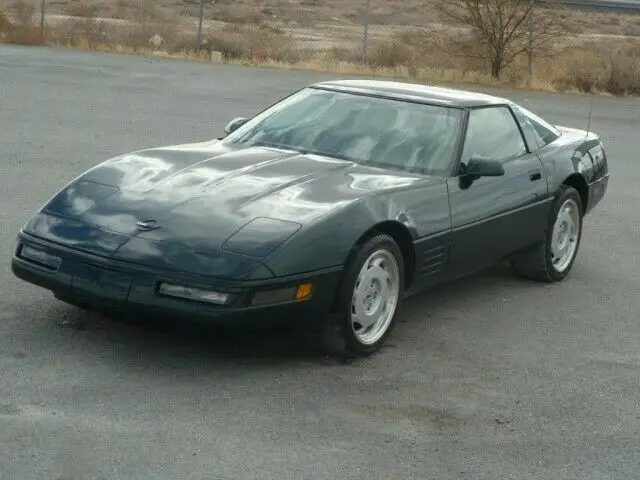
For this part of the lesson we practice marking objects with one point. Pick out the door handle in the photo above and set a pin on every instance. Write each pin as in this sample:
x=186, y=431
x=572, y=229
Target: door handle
x=534, y=175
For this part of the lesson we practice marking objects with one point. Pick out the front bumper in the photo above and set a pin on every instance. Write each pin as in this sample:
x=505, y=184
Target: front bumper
x=103, y=284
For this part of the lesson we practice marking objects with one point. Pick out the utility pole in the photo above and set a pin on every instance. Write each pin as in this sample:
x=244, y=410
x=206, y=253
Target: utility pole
x=42, y=19
x=199, y=45
x=530, y=76
x=365, y=39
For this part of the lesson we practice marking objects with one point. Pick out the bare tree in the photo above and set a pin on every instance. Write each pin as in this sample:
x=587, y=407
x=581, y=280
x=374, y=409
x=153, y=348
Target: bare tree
x=501, y=29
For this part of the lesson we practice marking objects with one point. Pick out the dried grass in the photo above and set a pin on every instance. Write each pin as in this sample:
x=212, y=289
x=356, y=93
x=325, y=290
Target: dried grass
x=4, y=22
x=613, y=68
x=22, y=30
x=610, y=66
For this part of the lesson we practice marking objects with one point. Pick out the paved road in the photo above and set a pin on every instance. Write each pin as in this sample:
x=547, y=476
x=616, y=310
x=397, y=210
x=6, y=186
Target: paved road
x=488, y=378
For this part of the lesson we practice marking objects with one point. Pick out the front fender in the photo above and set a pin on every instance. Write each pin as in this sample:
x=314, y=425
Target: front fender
x=328, y=242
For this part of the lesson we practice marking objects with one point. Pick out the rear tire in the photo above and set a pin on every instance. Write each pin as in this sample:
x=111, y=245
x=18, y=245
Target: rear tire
x=368, y=299
x=552, y=259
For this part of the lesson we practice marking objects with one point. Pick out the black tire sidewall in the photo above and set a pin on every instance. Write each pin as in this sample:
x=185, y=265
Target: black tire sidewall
x=352, y=269
x=564, y=194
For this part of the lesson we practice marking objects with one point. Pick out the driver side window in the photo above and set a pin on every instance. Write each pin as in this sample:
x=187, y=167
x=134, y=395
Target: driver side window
x=492, y=132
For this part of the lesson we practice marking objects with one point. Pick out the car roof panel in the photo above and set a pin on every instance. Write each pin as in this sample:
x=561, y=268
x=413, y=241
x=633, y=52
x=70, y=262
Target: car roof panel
x=413, y=92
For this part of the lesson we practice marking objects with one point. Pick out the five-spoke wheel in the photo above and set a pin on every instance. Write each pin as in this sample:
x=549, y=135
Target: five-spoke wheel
x=375, y=296
x=369, y=297
x=552, y=258
x=564, y=237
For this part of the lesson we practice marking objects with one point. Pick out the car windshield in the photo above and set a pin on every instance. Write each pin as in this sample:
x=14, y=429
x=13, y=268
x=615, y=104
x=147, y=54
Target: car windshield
x=365, y=129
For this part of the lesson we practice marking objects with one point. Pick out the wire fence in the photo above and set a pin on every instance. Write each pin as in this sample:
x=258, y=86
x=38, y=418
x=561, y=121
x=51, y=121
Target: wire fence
x=552, y=47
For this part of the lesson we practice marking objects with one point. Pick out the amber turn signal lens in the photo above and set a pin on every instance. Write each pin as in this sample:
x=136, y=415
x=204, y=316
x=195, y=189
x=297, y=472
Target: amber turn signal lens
x=303, y=291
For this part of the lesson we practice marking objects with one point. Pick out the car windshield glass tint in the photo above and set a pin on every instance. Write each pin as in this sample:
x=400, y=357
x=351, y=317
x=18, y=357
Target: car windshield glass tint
x=365, y=129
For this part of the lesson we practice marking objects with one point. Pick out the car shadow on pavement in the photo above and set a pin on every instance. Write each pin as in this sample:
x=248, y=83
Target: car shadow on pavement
x=168, y=342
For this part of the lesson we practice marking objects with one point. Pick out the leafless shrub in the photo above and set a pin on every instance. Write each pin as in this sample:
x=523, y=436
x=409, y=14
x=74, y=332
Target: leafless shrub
x=5, y=24
x=147, y=11
x=344, y=54
x=256, y=43
x=418, y=49
x=632, y=29
x=24, y=12
x=22, y=31
x=613, y=68
x=496, y=30
x=84, y=9
x=150, y=21
x=622, y=73
x=467, y=51
x=391, y=53
x=122, y=9
x=86, y=32
x=87, y=29
x=237, y=14
x=23, y=35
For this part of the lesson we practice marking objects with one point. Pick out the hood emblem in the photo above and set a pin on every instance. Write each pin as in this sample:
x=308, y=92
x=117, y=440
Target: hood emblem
x=147, y=225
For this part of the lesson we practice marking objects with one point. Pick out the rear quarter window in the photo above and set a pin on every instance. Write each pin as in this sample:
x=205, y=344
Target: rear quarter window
x=538, y=132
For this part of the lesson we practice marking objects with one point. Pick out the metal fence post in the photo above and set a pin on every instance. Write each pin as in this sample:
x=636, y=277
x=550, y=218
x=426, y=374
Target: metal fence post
x=365, y=39
x=530, y=52
x=42, y=19
x=199, y=45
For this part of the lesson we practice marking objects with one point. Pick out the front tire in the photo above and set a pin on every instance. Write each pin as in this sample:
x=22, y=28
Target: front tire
x=552, y=259
x=368, y=299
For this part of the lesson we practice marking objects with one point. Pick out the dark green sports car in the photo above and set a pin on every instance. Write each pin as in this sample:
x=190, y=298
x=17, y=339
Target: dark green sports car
x=326, y=209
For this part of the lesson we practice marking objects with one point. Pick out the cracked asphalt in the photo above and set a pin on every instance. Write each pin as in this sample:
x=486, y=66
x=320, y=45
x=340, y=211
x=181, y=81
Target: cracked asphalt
x=491, y=377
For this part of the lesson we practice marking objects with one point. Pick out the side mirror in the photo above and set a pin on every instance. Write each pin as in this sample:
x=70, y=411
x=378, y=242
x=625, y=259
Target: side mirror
x=235, y=124
x=482, y=167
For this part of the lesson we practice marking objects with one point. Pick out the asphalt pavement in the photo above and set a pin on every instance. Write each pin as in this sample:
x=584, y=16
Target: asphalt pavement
x=491, y=377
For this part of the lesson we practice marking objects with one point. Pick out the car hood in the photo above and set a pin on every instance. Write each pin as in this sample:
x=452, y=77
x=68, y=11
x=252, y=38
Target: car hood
x=202, y=195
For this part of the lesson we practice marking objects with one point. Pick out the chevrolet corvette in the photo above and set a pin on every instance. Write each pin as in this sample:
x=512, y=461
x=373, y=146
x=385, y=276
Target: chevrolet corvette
x=328, y=208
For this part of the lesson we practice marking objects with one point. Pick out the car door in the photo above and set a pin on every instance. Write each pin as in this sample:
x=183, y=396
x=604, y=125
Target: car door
x=493, y=216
